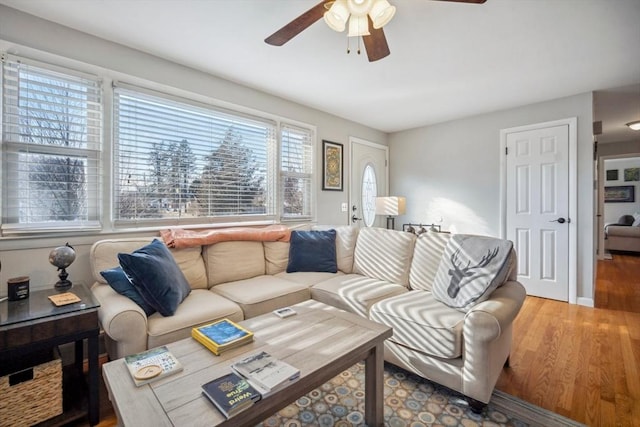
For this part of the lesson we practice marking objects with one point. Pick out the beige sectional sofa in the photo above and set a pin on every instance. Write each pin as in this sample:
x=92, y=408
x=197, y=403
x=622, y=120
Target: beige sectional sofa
x=623, y=235
x=382, y=274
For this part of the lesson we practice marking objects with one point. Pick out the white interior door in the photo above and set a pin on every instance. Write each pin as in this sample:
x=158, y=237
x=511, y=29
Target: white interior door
x=537, y=208
x=369, y=178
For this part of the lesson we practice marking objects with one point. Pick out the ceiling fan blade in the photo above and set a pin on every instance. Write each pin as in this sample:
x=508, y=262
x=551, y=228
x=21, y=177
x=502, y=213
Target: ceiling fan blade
x=375, y=44
x=296, y=26
x=466, y=1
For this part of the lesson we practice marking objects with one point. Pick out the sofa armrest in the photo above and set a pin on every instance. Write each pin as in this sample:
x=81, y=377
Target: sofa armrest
x=122, y=320
x=487, y=320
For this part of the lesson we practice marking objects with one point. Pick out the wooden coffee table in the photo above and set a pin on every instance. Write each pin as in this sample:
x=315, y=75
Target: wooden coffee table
x=320, y=340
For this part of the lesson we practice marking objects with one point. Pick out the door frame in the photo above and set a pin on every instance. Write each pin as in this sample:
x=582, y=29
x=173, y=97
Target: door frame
x=572, y=123
x=355, y=140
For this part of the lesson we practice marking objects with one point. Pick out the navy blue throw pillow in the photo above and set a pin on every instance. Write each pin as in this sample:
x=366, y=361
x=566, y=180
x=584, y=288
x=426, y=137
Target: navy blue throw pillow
x=155, y=274
x=312, y=251
x=119, y=281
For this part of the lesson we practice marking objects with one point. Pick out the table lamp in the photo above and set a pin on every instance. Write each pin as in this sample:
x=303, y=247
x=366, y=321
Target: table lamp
x=391, y=206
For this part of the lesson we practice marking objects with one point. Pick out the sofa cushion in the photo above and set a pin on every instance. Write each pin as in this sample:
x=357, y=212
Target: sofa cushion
x=312, y=251
x=426, y=259
x=200, y=307
x=384, y=254
x=346, y=237
x=156, y=276
x=421, y=323
x=231, y=261
x=104, y=255
x=122, y=285
x=263, y=294
x=470, y=269
x=308, y=278
x=354, y=292
x=276, y=256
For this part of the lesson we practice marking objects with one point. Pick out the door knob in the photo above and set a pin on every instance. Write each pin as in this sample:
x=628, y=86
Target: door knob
x=354, y=218
x=561, y=220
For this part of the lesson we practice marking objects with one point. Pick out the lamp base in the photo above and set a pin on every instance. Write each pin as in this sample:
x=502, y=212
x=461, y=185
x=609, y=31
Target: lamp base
x=391, y=223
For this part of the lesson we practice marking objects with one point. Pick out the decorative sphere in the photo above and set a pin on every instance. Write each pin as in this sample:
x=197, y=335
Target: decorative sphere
x=63, y=256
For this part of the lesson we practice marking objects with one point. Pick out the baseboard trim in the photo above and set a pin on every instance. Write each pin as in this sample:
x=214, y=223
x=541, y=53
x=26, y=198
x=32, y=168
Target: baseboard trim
x=587, y=302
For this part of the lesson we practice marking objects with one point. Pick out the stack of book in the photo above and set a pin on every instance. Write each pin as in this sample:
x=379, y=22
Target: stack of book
x=152, y=365
x=266, y=373
x=221, y=335
x=231, y=394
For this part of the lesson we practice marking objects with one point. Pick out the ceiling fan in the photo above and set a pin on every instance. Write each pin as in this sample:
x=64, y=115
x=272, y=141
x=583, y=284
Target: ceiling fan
x=366, y=19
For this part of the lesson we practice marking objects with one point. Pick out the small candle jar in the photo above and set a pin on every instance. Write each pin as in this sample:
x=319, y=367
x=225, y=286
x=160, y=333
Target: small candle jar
x=18, y=288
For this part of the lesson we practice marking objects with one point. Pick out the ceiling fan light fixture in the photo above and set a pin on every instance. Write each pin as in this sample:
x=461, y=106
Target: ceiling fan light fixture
x=336, y=17
x=381, y=13
x=359, y=7
x=635, y=125
x=358, y=26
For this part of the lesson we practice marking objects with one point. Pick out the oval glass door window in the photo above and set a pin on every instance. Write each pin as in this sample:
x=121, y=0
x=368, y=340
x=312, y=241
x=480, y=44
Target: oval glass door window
x=369, y=193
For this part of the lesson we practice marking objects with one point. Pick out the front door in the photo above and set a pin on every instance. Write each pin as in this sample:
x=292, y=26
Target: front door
x=537, y=208
x=369, y=176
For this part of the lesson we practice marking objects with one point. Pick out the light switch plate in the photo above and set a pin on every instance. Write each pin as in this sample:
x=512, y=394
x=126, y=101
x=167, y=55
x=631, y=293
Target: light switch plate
x=345, y=207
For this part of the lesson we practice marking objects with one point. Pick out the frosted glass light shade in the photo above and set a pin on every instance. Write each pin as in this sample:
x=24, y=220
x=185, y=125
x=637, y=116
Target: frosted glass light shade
x=358, y=26
x=381, y=13
x=336, y=17
x=634, y=125
x=393, y=205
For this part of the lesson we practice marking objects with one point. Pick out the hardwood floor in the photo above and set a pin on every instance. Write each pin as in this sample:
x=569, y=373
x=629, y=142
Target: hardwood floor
x=581, y=362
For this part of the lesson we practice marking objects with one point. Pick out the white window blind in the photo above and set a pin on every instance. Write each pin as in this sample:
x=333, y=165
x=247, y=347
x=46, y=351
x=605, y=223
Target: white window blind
x=180, y=162
x=296, y=171
x=51, y=142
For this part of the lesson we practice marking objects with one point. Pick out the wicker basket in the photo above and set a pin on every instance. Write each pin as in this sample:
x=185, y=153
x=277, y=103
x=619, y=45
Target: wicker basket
x=29, y=402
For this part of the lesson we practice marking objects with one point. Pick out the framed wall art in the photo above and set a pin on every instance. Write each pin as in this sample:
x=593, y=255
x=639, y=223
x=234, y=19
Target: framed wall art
x=620, y=194
x=612, y=174
x=632, y=174
x=332, y=162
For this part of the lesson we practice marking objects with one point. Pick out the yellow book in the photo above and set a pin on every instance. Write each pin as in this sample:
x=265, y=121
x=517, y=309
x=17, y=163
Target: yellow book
x=221, y=335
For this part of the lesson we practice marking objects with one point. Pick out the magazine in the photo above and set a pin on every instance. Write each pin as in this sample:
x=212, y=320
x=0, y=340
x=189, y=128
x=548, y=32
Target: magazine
x=221, y=335
x=266, y=372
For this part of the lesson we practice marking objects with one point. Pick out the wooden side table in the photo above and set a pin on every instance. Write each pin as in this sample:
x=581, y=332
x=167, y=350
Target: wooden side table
x=36, y=324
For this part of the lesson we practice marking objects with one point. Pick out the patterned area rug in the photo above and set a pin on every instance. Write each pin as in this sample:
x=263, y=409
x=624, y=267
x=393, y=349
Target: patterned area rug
x=409, y=401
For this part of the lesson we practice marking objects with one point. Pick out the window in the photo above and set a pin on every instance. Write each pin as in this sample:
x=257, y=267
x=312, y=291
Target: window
x=296, y=172
x=180, y=162
x=369, y=192
x=171, y=160
x=51, y=142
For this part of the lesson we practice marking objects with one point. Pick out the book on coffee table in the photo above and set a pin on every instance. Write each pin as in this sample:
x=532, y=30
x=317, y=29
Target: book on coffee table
x=266, y=373
x=231, y=394
x=221, y=335
x=152, y=365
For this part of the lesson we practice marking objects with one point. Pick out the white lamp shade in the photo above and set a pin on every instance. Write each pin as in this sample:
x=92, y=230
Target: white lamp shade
x=381, y=13
x=634, y=125
x=358, y=26
x=336, y=17
x=393, y=205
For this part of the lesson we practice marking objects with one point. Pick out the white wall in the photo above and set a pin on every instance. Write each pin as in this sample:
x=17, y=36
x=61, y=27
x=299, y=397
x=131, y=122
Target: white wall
x=613, y=211
x=451, y=171
x=26, y=35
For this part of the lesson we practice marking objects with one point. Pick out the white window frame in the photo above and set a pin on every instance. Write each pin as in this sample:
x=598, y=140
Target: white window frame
x=14, y=148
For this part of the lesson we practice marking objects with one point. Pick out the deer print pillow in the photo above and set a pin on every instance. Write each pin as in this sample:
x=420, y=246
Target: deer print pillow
x=471, y=268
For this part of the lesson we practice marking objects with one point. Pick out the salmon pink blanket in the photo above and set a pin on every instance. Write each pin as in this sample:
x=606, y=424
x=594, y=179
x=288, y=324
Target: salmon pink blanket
x=179, y=238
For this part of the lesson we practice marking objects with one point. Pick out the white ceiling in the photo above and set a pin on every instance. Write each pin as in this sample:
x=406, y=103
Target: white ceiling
x=448, y=60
